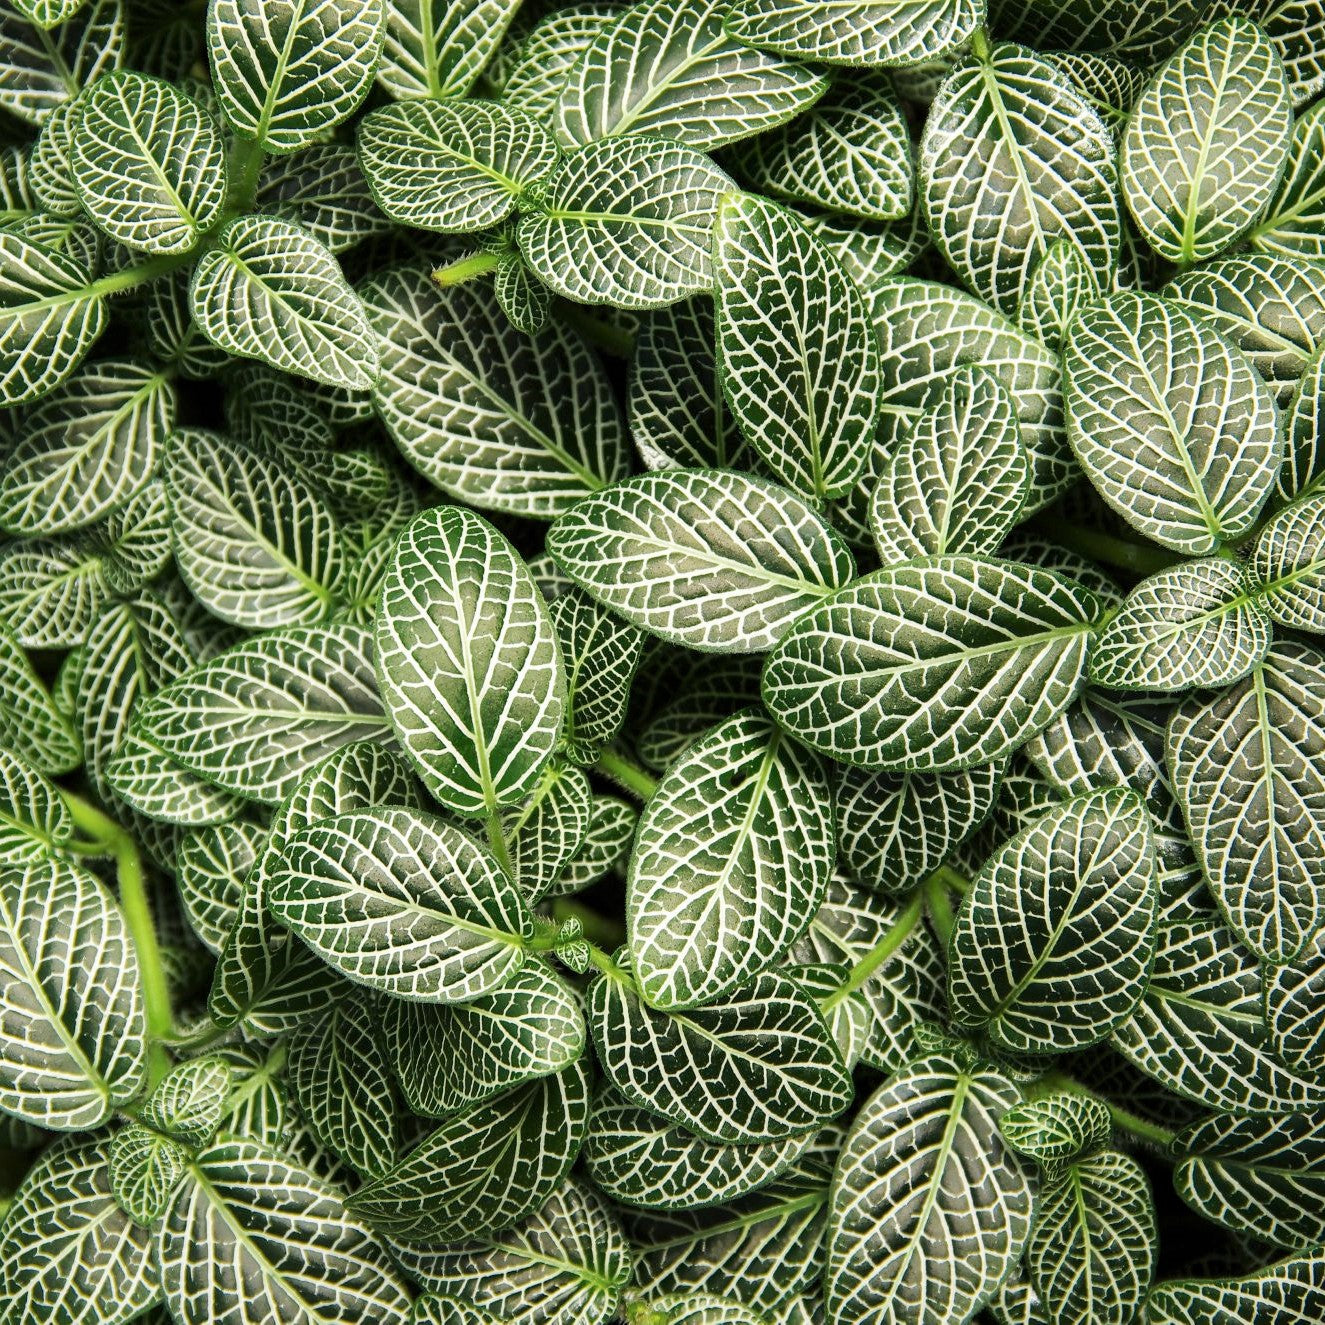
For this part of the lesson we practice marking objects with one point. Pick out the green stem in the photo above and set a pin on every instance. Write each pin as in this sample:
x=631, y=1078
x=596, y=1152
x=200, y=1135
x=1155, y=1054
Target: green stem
x=1139, y=559
x=466, y=269
x=626, y=774
x=597, y=929
x=598, y=331
x=897, y=934
x=938, y=903
x=138, y=916
x=600, y=960
x=245, y=173
x=1123, y=1119
x=500, y=849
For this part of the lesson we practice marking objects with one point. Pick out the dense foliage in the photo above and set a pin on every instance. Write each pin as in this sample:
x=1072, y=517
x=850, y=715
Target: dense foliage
x=662, y=663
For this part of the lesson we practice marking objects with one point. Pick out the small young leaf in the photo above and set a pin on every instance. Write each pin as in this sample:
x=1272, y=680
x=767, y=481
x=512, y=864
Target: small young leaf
x=1289, y=562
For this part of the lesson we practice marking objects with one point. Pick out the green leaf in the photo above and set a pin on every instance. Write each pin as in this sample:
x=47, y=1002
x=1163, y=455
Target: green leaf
x=567, y=1262
x=471, y=671
x=251, y=1236
x=30, y=723
x=1013, y=157
x=872, y=32
x=798, y=361
x=1294, y=223
x=925, y=331
x=667, y=67
x=148, y=162
x=1198, y=624
x=1295, y=1010
x=1272, y=308
x=1260, y=1175
x=1059, y=286
x=1304, y=428
x=44, y=70
x=485, y=1168
x=1247, y=769
x=930, y=1209
x=493, y=417
x=639, y=1158
x=1095, y=1244
x=51, y=312
x=433, y=1309
x=546, y=831
x=706, y=691
x=758, y=1066
x=601, y=653
x=1207, y=142
x=255, y=719
x=1057, y=1128
x=255, y=544
x=1289, y=562
x=626, y=222
x=403, y=902
x=438, y=48
x=544, y=59
x=148, y=779
x=261, y=978
x=68, y=1253
x=1053, y=942
x=1290, y=1292
x=605, y=847
x=1200, y=1029
x=899, y=992
x=52, y=590
x=189, y=1102
x=72, y=1025
x=285, y=76
x=705, y=558
x=1152, y=396
x=90, y=446
x=210, y=870
x=732, y=858
x=35, y=823
x=958, y=480
x=145, y=1168
x=763, y=1249
x=526, y=302
x=447, y=1058
x=340, y=1078
x=932, y=665
x=268, y=290
x=851, y=154
x=452, y=166
x=322, y=189
x=49, y=13
x=894, y=830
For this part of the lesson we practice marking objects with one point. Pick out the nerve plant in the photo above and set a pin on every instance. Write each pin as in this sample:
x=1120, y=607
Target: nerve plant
x=661, y=663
